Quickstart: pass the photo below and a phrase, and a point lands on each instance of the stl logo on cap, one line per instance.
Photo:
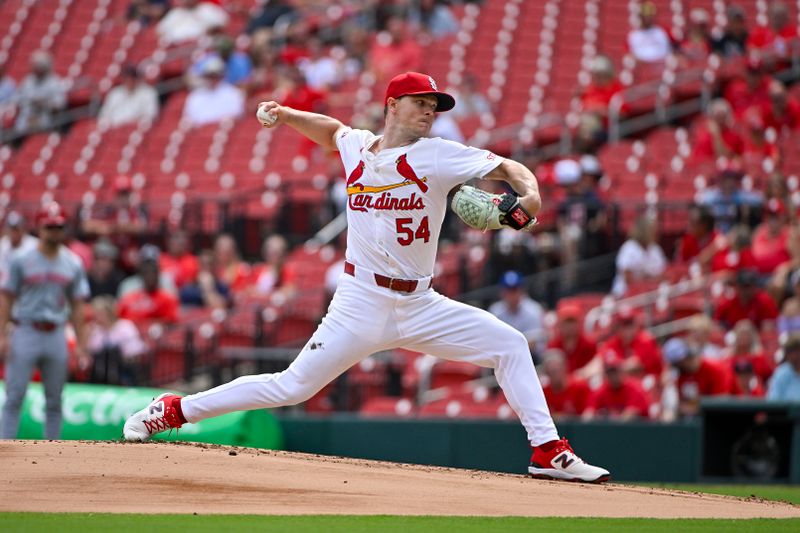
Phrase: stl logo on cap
(433, 83)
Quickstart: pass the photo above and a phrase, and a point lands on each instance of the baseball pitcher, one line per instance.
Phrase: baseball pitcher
(397, 189)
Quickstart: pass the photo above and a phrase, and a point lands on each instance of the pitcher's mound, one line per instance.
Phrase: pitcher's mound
(71, 476)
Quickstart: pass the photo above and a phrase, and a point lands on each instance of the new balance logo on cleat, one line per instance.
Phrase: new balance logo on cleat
(559, 462)
(565, 460)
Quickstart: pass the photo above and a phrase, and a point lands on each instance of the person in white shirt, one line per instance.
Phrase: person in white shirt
(190, 20)
(115, 344)
(40, 95)
(640, 257)
(15, 239)
(521, 312)
(397, 186)
(649, 43)
(130, 101)
(216, 100)
(320, 69)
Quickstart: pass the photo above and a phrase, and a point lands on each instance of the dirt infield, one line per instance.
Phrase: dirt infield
(74, 476)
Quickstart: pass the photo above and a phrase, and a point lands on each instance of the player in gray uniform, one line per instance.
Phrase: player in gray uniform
(43, 289)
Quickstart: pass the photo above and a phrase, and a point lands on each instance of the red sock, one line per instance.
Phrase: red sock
(547, 446)
(176, 404)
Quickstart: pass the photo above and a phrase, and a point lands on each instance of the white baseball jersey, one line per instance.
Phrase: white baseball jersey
(396, 199)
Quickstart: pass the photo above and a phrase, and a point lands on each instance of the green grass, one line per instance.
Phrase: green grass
(89, 523)
(784, 493)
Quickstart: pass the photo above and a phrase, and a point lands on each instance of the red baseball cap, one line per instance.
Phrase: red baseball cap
(568, 311)
(416, 83)
(51, 214)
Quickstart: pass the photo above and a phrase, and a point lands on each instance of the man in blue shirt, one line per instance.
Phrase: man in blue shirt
(785, 383)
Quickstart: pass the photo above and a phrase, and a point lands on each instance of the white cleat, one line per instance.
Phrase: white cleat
(561, 463)
(158, 416)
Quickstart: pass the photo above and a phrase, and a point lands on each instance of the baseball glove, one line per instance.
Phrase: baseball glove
(482, 210)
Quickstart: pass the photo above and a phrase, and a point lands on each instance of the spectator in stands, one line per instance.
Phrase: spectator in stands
(774, 41)
(130, 101)
(8, 97)
(146, 11)
(730, 253)
(785, 383)
(729, 202)
(267, 15)
(770, 239)
(272, 275)
(637, 348)
(700, 235)
(566, 395)
(115, 345)
(148, 253)
(780, 112)
(640, 258)
(698, 337)
(578, 347)
(470, 102)
(697, 377)
(178, 261)
(620, 397)
(759, 143)
(745, 382)
(746, 347)
(394, 50)
(733, 41)
(446, 127)
(151, 301)
(717, 137)
(650, 43)
(207, 290)
(216, 100)
(697, 43)
(104, 276)
(15, 239)
(747, 301)
(230, 269)
(521, 312)
(596, 97)
(789, 318)
(432, 17)
(189, 20)
(238, 66)
(321, 71)
(750, 89)
(40, 95)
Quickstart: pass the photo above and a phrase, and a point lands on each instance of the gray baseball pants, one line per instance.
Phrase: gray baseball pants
(31, 348)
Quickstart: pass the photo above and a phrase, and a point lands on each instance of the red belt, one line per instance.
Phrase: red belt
(395, 284)
(42, 326)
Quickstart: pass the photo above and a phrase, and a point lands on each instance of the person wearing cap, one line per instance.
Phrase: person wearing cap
(15, 239)
(581, 214)
(131, 101)
(649, 43)
(785, 383)
(520, 311)
(745, 382)
(567, 396)
(733, 41)
(44, 289)
(696, 376)
(578, 347)
(747, 300)
(640, 258)
(104, 276)
(748, 89)
(619, 397)
(40, 95)
(151, 302)
(147, 253)
(397, 186)
(632, 343)
(770, 239)
(215, 99)
(729, 202)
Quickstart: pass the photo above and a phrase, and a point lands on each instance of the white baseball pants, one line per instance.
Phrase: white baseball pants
(364, 319)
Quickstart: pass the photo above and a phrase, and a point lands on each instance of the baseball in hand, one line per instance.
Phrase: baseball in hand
(266, 118)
